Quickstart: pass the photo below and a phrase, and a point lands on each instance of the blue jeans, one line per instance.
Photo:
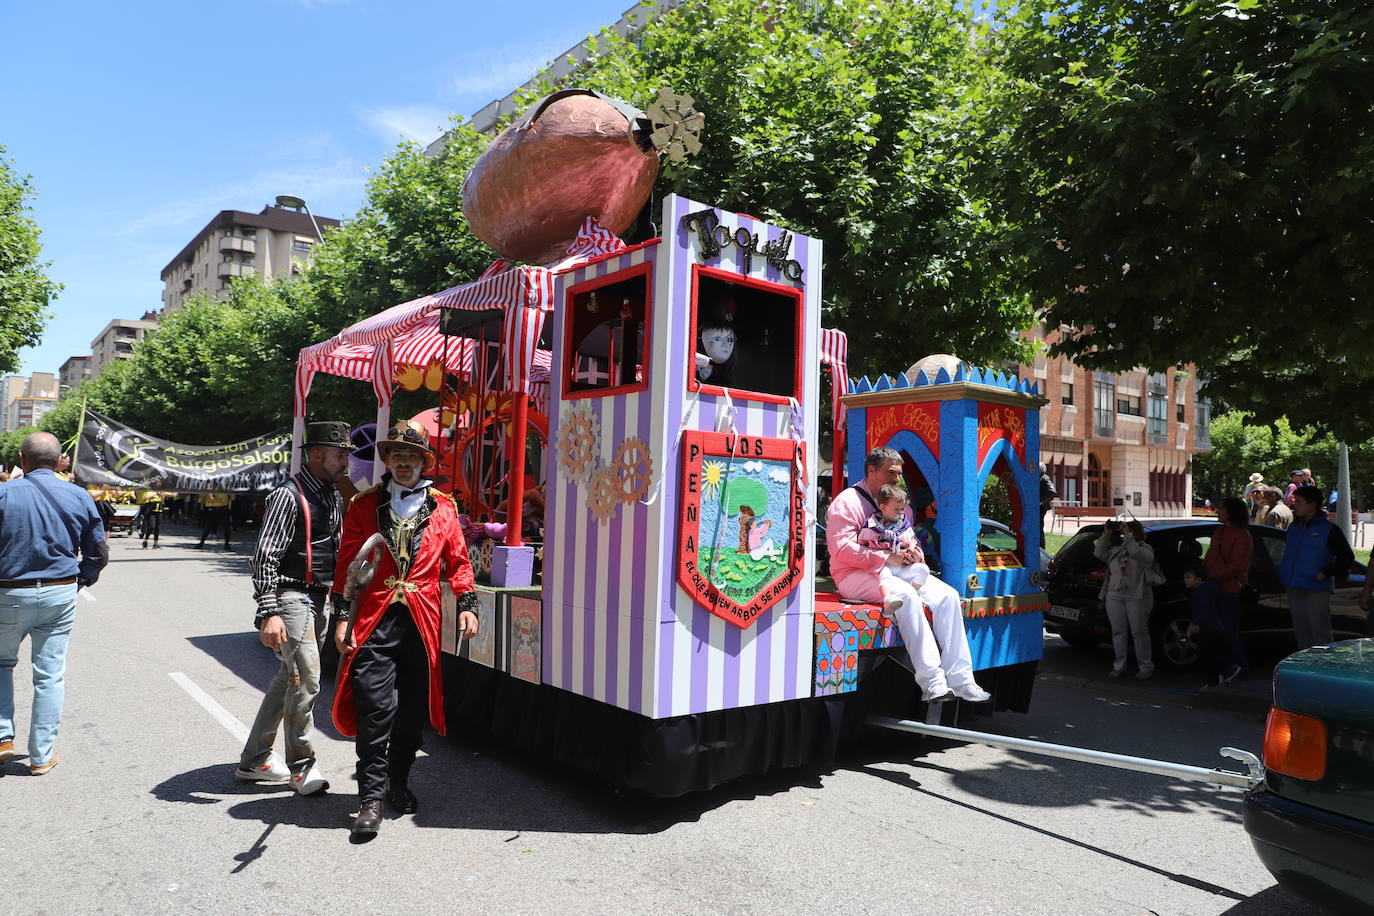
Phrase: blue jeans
(45, 615)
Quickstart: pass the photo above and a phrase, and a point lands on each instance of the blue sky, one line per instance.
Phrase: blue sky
(139, 121)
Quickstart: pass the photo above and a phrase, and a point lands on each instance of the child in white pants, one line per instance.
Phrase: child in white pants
(890, 529)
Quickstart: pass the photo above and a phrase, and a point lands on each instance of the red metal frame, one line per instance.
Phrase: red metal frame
(569, 367)
(730, 276)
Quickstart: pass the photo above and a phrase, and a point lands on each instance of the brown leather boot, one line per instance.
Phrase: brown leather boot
(369, 820)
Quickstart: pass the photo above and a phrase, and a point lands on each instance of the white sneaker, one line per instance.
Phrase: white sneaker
(972, 692)
(273, 772)
(938, 692)
(307, 779)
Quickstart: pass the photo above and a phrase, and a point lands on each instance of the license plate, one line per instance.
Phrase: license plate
(1067, 613)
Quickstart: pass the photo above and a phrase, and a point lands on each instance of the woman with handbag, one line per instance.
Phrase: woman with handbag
(1128, 593)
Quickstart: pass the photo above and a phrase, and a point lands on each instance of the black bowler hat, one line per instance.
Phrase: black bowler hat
(333, 433)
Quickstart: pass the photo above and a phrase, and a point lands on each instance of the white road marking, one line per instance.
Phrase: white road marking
(222, 715)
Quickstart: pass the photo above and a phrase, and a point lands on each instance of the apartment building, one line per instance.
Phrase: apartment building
(74, 371)
(27, 399)
(274, 243)
(119, 338)
(1121, 441)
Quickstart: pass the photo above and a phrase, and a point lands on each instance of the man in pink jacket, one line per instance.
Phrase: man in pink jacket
(939, 654)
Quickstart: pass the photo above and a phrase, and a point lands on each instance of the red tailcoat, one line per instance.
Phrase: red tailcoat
(442, 552)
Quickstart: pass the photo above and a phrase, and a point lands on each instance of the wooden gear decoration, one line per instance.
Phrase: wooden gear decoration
(579, 441)
(634, 469)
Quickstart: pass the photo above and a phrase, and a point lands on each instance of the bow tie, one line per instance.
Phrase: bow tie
(406, 493)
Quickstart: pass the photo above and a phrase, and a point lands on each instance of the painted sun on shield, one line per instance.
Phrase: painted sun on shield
(743, 525)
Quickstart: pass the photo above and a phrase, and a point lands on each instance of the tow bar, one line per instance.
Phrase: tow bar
(1229, 778)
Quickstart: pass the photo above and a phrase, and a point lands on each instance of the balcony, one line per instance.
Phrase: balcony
(230, 269)
(233, 243)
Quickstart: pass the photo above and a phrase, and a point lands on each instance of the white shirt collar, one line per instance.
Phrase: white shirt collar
(406, 506)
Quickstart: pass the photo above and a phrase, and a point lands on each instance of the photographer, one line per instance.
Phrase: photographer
(1127, 593)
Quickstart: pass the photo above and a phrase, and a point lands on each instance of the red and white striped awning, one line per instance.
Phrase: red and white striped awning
(835, 354)
(408, 334)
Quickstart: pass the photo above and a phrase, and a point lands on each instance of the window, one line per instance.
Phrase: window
(746, 336)
(1159, 420)
(1104, 417)
(1066, 393)
(1178, 414)
(1129, 404)
(1202, 437)
(606, 334)
(304, 245)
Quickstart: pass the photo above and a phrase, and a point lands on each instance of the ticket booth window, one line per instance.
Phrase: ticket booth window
(746, 336)
(608, 324)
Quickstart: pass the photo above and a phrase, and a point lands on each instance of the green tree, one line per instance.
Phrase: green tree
(1188, 181)
(853, 122)
(25, 288)
(1241, 446)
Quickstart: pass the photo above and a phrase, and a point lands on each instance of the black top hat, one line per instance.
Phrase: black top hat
(327, 432)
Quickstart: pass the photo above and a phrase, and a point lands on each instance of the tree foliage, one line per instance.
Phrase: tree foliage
(1188, 181)
(853, 122)
(25, 288)
(1241, 447)
(849, 122)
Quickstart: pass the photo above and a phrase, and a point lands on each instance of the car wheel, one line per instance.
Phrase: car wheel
(1172, 644)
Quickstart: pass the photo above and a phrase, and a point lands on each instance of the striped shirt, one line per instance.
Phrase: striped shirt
(279, 527)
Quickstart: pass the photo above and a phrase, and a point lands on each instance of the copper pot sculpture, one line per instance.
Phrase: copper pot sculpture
(575, 154)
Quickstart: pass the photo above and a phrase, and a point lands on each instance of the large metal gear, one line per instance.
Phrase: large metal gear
(603, 498)
(634, 468)
(485, 550)
(579, 440)
(676, 123)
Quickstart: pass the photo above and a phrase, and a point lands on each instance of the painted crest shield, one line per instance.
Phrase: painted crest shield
(743, 528)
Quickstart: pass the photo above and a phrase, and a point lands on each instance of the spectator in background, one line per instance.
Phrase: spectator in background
(1207, 626)
(1048, 494)
(1256, 482)
(1228, 565)
(1258, 510)
(1315, 555)
(1127, 593)
(1277, 514)
(1295, 480)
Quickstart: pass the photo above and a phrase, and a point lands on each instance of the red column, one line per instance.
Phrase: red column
(515, 442)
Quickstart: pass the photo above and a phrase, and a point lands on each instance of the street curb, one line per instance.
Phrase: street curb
(1246, 699)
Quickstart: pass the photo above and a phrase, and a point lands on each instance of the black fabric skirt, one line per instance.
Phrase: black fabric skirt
(670, 757)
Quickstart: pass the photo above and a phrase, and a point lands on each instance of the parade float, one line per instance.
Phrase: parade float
(632, 431)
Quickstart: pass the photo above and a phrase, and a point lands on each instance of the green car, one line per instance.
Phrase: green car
(1312, 821)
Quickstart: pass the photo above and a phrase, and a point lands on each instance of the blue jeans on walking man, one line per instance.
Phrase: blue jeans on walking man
(44, 616)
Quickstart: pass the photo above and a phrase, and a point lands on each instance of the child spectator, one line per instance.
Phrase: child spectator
(890, 529)
(1207, 627)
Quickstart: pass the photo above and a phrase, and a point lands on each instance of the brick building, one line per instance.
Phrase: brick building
(1120, 441)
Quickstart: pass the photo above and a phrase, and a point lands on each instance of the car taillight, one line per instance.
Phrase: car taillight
(1051, 568)
(1295, 745)
(1098, 575)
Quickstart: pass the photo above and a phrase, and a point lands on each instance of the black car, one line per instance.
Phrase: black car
(1078, 615)
(1312, 820)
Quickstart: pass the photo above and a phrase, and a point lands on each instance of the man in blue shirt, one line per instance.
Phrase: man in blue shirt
(45, 523)
(1315, 556)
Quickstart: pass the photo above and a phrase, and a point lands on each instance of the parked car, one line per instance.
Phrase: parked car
(1079, 617)
(1312, 820)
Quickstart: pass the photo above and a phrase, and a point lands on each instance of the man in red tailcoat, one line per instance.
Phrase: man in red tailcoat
(393, 641)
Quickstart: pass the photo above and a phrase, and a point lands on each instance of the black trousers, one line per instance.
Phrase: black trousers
(216, 518)
(391, 701)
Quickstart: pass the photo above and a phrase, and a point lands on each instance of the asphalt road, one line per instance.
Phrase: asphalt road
(143, 814)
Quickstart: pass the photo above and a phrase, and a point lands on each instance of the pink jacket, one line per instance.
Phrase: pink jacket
(854, 567)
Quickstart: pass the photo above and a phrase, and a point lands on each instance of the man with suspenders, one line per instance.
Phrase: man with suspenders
(293, 569)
